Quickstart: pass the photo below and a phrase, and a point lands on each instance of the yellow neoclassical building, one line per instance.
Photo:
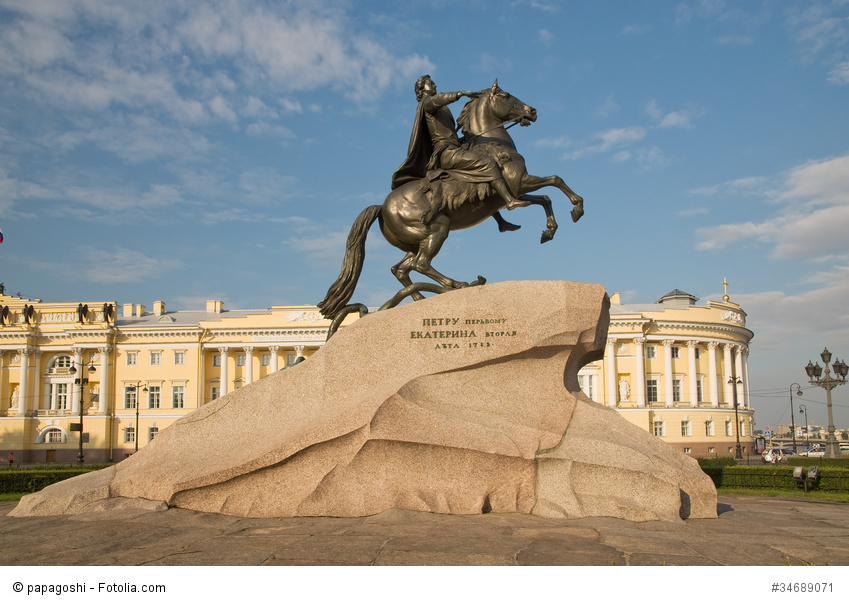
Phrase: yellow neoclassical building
(676, 369)
(132, 371)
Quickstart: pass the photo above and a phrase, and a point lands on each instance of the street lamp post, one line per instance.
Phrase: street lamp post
(793, 420)
(803, 408)
(828, 383)
(82, 381)
(136, 392)
(734, 382)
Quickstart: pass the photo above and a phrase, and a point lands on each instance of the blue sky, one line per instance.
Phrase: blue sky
(185, 151)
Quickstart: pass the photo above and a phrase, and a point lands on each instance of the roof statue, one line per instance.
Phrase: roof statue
(447, 183)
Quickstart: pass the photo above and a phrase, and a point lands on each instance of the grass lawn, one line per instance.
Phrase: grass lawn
(11, 496)
(814, 495)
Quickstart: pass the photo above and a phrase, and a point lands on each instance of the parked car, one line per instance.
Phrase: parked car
(844, 446)
(815, 451)
(776, 455)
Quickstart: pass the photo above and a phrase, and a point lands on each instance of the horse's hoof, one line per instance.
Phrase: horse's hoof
(546, 236)
(577, 212)
(479, 282)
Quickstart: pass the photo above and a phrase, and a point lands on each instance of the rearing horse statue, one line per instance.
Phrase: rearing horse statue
(418, 216)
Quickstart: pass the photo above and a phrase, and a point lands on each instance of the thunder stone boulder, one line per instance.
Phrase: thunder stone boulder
(466, 402)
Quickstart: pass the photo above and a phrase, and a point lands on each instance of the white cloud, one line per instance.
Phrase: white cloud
(122, 265)
(682, 118)
(840, 74)
(810, 225)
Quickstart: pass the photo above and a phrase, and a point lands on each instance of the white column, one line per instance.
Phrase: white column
(692, 379)
(610, 362)
(36, 380)
(274, 349)
(738, 373)
(299, 351)
(640, 359)
(667, 372)
(103, 405)
(746, 376)
(23, 391)
(714, 387)
(728, 370)
(223, 351)
(2, 361)
(249, 365)
(75, 386)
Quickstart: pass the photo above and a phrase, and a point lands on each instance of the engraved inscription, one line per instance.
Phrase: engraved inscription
(459, 333)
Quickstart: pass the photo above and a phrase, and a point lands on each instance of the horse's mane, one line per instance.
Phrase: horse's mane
(465, 113)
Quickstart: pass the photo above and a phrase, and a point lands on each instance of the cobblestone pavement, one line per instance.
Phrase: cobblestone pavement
(748, 531)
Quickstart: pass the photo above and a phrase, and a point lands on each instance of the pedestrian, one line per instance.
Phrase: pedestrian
(11, 459)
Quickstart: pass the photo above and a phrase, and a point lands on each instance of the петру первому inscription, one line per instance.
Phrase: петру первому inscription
(456, 333)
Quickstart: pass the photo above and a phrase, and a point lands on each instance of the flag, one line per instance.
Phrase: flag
(1, 236)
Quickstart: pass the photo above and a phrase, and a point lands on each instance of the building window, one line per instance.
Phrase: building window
(676, 390)
(698, 353)
(710, 449)
(62, 362)
(130, 397)
(742, 428)
(651, 390)
(290, 359)
(179, 358)
(687, 450)
(700, 394)
(129, 435)
(214, 392)
(152, 433)
(153, 397)
(216, 361)
(659, 429)
(178, 393)
(676, 352)
(651, 352)
(53, 436)
(587, 384)
(155, 357)
(729, 428)
(265, 360)
(59, 396)
(709, 429)
(240, 359)
(686, 429)
(132, 358)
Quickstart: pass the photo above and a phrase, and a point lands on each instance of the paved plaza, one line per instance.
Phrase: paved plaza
(748, 531)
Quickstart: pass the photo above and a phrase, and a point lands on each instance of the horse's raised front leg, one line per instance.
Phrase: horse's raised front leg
(550, 221)
(533, 183)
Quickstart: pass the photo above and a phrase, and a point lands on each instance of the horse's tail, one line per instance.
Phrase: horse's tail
(342, 289)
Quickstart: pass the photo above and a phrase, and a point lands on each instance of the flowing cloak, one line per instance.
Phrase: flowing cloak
(419, 152)
(423, 160)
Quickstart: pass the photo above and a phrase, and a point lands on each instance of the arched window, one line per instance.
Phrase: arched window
(53, 436)
(60, 362)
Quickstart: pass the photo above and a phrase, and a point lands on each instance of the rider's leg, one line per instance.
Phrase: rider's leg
(500, 187)
(503, 224)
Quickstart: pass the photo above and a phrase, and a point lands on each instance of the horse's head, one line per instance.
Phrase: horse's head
(508, 108)
(493, 107)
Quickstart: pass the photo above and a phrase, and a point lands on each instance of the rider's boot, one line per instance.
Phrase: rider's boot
(500, 187)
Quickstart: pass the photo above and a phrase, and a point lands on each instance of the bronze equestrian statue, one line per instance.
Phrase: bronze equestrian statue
(446, 185)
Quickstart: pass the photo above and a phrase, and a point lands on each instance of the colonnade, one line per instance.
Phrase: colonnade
(734, 365)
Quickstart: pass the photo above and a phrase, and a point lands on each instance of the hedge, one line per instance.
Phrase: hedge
(33, 479)
(776, 476)
(819, 462)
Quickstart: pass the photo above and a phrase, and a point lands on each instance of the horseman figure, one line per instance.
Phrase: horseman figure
(445, 186)
(435, 148)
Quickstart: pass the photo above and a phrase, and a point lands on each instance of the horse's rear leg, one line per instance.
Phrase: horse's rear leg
(429, 247)
(402, 272)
